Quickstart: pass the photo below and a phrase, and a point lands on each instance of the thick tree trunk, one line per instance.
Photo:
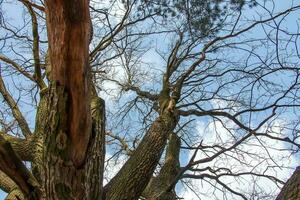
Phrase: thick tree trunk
(73, 153)
(68, 145)
(68, 27)
(132, 179)
(159, 186)
(291, 190)
(62, 178)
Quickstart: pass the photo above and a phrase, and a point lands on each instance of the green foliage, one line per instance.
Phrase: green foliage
(200, 17)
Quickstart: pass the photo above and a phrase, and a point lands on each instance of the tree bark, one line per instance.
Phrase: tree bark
(159, 186)
(291, 190)
(13, 167)
(73, 151)
(96, 153)
(22, 147)
(131, 180)
(68, 28)
(69, 138)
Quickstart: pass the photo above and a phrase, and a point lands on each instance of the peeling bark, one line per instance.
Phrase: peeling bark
(68, 27)
(70, 160)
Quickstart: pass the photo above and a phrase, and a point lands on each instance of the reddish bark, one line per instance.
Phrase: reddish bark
(68, 24)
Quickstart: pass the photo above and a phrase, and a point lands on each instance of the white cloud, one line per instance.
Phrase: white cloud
(112, 166)
(250, 157)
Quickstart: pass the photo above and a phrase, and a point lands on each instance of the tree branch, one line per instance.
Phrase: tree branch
(14, 168)
(17, 67)
(96, 151)
(41, 8)
(161, 186)
(133, 177)
(108, 39)
(35, 49)
(9, 186)
(6, 183)
(141, 93)
(24, 148)
(15, 109)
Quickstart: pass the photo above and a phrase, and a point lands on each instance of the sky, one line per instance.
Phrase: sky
(15, 12)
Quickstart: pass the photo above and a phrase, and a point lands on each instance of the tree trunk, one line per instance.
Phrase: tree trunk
(68, 145)
(291, 190)
(159, 186)
(132, 179)
(68, 28)
(73, 153)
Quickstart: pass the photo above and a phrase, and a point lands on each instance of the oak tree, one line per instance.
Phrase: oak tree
(211, 91)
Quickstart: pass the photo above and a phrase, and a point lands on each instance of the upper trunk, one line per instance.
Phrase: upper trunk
(68, 26)
(161, 186)
(73, 156)
(134, 176)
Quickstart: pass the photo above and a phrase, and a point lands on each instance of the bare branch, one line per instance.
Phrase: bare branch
(15, 109)
(35, 49)
(17, 67)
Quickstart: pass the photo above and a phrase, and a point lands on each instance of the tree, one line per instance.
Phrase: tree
(241, 98)
(291, 188)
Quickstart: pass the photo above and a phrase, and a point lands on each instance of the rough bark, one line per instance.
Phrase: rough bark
(67, 180)
(96, 152)
(134, 176)
(62, 177)
(159, 186)
(13, 167)
(22, 147)
(291, 190)
(15, 194)
(68, 28)
(42, 116)
(7, 184)
(73, 156)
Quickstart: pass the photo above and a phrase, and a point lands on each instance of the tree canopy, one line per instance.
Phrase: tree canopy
(147, 99)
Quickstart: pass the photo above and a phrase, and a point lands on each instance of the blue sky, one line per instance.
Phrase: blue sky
(15, 12)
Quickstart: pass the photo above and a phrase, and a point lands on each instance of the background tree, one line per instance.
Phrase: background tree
(191, 79)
